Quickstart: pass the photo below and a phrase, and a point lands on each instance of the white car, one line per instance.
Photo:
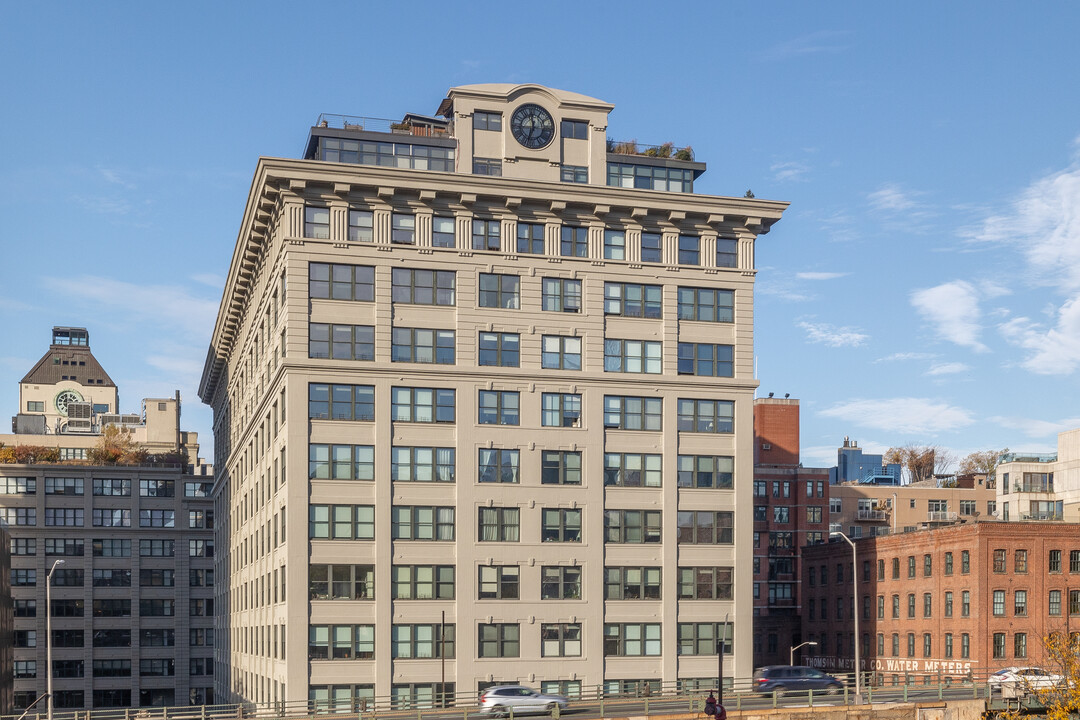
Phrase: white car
(498, 701)
(1014, 682)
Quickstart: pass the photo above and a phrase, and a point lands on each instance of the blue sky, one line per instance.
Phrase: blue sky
(924, 285)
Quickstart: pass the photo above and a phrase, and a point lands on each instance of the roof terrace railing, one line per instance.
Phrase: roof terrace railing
(633, 147)
(381, 125)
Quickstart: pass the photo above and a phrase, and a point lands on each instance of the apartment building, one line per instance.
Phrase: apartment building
(129, 547)
(1039, 487)
(493, 372)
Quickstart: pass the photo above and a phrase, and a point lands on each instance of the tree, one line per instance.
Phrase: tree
(917, 460)
(1061, 656)
(116, 447)
(29, 454)
(982, 462)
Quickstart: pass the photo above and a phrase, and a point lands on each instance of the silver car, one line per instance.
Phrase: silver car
(499, 700)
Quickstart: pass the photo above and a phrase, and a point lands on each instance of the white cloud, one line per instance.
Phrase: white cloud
(951, 368)
(815, 43)
(210, 279)
(792, 170)
(1051, 351)
(890, 198)
(1036, 428)
(104, 205)
(911, 416)
(952, 309)
(820, 275)
(905, 356)
(833, 336)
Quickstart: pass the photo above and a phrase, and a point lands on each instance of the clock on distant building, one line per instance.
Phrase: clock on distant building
(532, 126)
(65, 397)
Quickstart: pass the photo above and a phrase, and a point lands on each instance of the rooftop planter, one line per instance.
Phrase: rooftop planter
(665, 151)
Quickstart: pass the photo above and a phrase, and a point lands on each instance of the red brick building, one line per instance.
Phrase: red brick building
(964, 599)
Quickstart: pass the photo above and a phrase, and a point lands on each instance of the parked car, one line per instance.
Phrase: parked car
(783, 679)
(499, 700)
(1014, 682)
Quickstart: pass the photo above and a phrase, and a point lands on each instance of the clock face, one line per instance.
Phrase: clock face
(63, 398)
(532, 126)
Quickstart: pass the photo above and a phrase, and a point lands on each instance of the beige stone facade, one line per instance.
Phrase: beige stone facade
(861, 510)
(1042, 487)
(490, 359)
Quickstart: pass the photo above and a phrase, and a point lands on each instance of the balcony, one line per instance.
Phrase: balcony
(868, 515)
(665, 151)
(422, 127)
(1034, 486)
(1047, 516)
(941, 516)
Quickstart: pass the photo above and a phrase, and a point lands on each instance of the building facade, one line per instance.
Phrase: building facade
(494, 374)
(130, 547)
(1041, 487)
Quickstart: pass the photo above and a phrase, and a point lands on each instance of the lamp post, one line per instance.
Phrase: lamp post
(811, 643)
(854, 611)
(48, 637)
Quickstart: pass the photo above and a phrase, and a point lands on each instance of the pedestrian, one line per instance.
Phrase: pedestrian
(710, 704)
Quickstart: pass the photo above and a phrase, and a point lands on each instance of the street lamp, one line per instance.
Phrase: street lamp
(811, 643)
(854, 611)
(48, 636)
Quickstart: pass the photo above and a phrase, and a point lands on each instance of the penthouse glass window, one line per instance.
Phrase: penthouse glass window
(423, 287)
(633, 413)
(562, 295)
(706, 583)
(633, 300)
(705, 638)
(403, 229)
(361, 226)
(408, 522)
(706, 416)
(387, 154)
(341, 522)
(560, 410)
(317, 222)
(706, 359)
(443, 232)
(632, 583)
(632, 356)
(498, 640)
(633, 470)
(341, 342)
(561, 525)
(422, 464)
(560, 640)
(574, 241)
(423, 582)
(422, 345)
(341, 462)
(341, 282)
(498, 465)
(632, 639)
(486, 234)
(487, 166)
(614, 244)
(560, 353)
(727, 252)
(530, 238)
(689, 250)
(706, 527)
(423, 641)
(560, 582)
(63, 486)
(422, 405)
(651, 247)
(111, 487)
(498, 582)
(499, 349)
(499, 407)
(500, 291)
(707, 471)
(498, 524)
(559, 467)
(648, 177)
(632, 526)
(341, 402)
(575, 174)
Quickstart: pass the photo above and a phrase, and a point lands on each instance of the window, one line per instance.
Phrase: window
(200, 548)
(422, 405)
(880, 607)
(63, 486)
(317, 222)
(632, 356)
(112, 638)
(200, 577)
(35, 406)
(911, 605)
(633, 300)
(574, 241)
(836, 507)
(561, 525)
(1074, 561)
(530, 238)
(1020, 645)
(341, 402)
(487, 121)
(423, 287)
(499, 407)
(443, 233)
(486, 234)
(111, 486)
(64, 546)
(112, 548)
(361, 226)
(813, 514)
(157, 607)
(633, 413)
(341, 522)
(706, 416)
(341, 462)
(781, 514)
(560, 353)
(201, 519)
(112, 608)
(1020, 561)
(559, 467)
(704, 638)
(614, 245)
(25, 639)
(560, 640)
(948, 563)
(896, 606)
(341, 282)
(342, 582)
(423, 582)
(487, 166)
(408, 522)
(727, 252)
(562, 295)
(1054, 561)
(1020, 603)
(25, 608)
(574, 129)
(632, 583)
(651, 247)
(928, 565)
(649, 177)
(689, 250)
(560, 410)
(927, 605)
(575, 174)
(200, 489)
(761, 488)
(422, 345)
(498, 465)
(157, 518)
(999, 561)
(948, 604)
(422, 641)
(341, 342)
(705, 471)
(965, 562)
(560, 583)
(1054, 603)
(967, 507)
(66, 517)
(999, 603)
(911, 566)
(25, 669)
(499, 582)
(965, 603)
(911, 645)
(341, 642)
(23, 577)
(706, 583)
(500, 291)
(157, 488)
(632, 526)
(499, 524)
(632, 469)
(707, 360)
(927, 646)
(706, 527)
(500, 349)
(632, 639)
(498, 640)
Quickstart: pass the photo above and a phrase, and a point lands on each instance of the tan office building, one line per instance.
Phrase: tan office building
(490, 366)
